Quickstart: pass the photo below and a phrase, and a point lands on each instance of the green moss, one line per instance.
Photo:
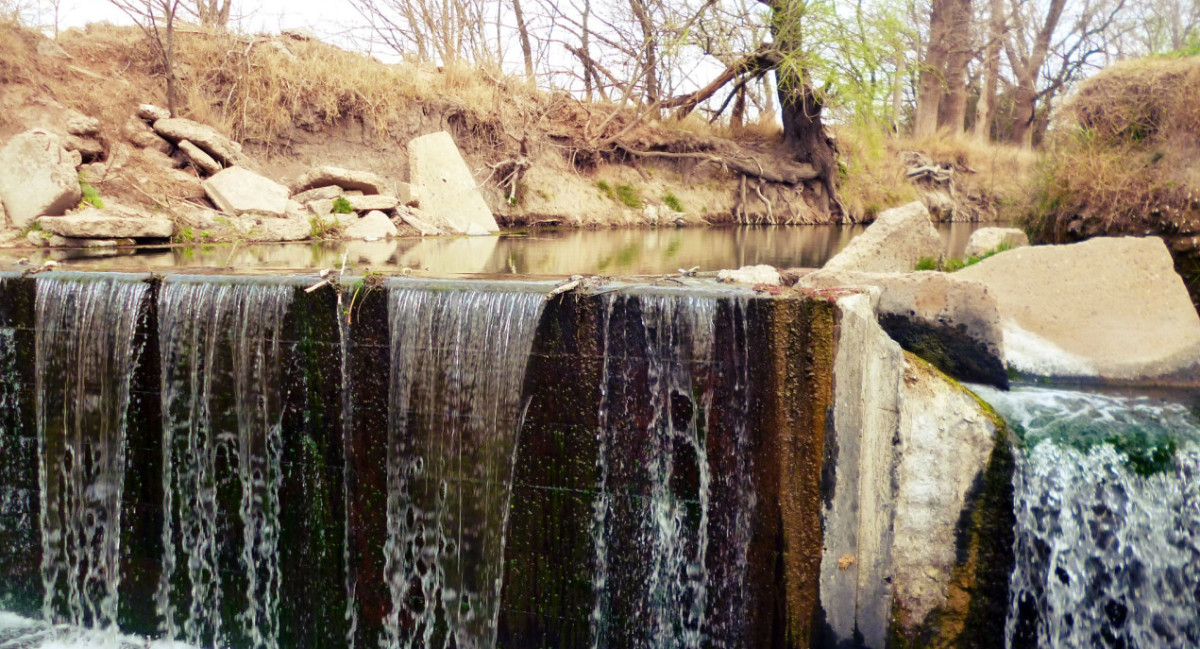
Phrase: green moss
(927, 263)
(90, 195)
(341, 205)
(629, 195)
(672, 201)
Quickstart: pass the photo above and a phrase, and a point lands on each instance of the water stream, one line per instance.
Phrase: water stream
(1108, 520)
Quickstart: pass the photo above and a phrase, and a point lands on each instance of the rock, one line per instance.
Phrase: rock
(943, 318)
(83, 126)
(327, 193)
(953, 523)
(372, 226)
(89, 149)
(917, 522)
(291, 228)
(320, 207)
(57, 241)
(407, 195)
(37, 177)
(447, 188)
(894, 243)
(106, 224)
(372, 203)
(221, 148)
(416, 219)
(347, 179)
(36, 239)
(152, 113)
(985, 240)
(199, 159)
(238, 190)
(761, 274)
(144, 137)
(75, 158)
(1109, 308)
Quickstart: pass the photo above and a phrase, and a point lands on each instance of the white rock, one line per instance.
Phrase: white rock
(238, 190)
(1109, 307)
(760, 274)
(347, 179)
(152, 113)
(199, 159)
(372, 226)
(380, 202)
(894, 243)
(985, 240)
(88, 148)
(407, 195)
(327, 193)
(74, 242)
(416, 219)
(83, 125)
(290, 228)
(106, 224)
(221, 148)
(142, 136)
(37, 177)
(448, 190)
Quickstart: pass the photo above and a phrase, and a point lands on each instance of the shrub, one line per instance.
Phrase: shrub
(672, 201)
(341, 205)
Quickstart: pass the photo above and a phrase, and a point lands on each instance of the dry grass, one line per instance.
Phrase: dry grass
(994, 176)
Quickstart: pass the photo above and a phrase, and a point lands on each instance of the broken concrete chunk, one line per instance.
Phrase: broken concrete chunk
(407, 195)
(73, 242)
(152, 113)
(83, 126)
(105, 224)
(89, 149)
(327, 193)
(203, 162)
(221, 148)
(894, 243)
(447, 188)
(985, 240)
(238, 191)
(760, 274)
(373, 202)
(347, 179)
(37, 177)
(372, 226)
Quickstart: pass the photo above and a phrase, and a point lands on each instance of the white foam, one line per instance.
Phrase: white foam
(1030, 353)
(18, 632)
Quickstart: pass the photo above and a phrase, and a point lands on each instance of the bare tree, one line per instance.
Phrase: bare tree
(157, 19)
(986, 107)
(941, 98)
(213, 14)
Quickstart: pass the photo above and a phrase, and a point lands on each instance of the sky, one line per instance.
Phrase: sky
(320, 16)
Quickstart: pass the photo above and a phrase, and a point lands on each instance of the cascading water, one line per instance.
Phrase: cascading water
(85, 357)
(653, 513)
(457, 364)
(221, 352)
(1107, 503)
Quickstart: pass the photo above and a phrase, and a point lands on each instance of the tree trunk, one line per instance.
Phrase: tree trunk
(1024, 109)
(649, 51)
(523, 32)
(933, 70)
(953, 109)
(986, 108)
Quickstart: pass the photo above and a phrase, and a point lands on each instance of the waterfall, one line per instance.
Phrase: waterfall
(85, 353)
(1107, 503)
(457, 364)
(221, 351)
(653, 514)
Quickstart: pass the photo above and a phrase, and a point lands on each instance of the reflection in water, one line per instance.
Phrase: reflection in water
(542, 252)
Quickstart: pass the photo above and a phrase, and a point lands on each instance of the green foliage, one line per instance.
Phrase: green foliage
(927, 263)
(629, 195)
(606, 189)
(672, 201)
(951, 264)
(91, 195)
(185, 235)
(342, 206)
(322, 229)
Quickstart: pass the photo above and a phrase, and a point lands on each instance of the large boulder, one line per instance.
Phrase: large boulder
(943, 318)
(985, 240)
(760, 274)
(373, 202)
(203, 162)
(347, 179)
(221, 148)
(37, 177)
(372, 226)
(238, 191)
(917, 500)
(106, 224)
(1109, 308)
(897, 240)
(447, 189)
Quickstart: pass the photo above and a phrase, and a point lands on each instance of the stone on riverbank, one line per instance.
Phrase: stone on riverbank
(985, 240)
(221, 148)
(347, 179)
(1108, 308)
(894, 243)
(760, 274)
(106, 224)
(203, 162)
(374, 225)
(238, 191)
(447, 189)
(37, 177)
(945, 319)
